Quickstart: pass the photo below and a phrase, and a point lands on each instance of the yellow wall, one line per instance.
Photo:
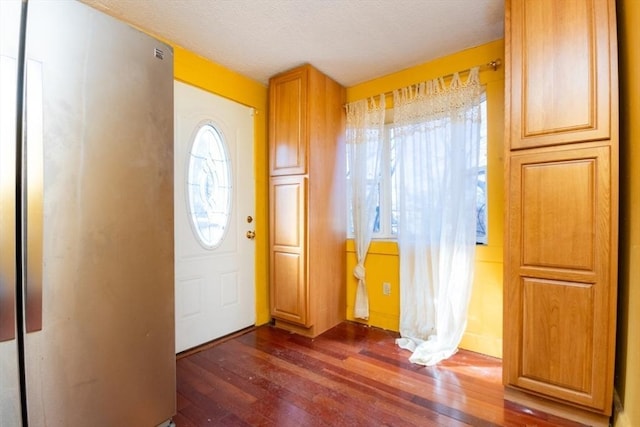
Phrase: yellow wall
(484, 328)
(197, 71)
(628, 349)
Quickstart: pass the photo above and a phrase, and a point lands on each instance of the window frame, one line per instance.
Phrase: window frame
(386, 192)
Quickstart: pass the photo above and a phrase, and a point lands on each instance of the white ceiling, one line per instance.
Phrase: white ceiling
(350, 40)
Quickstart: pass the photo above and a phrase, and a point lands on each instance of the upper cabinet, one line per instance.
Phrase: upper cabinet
(288, 125)
(560, 64)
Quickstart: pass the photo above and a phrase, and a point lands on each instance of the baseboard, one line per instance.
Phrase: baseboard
(213, 343)
(377, 319)
(620, 418)
(483, 344)
(558, 409)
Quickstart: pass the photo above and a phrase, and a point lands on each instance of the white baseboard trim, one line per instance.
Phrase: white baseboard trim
(620, 418)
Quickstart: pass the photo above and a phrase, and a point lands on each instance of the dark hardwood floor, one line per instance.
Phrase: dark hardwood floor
(350, 376)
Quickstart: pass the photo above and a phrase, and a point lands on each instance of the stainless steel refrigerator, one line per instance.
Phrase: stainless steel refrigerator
(86, 217)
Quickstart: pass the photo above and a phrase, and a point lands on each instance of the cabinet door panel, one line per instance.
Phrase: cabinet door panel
(289, 290)
(288, 300)
(559, 71)
(553, 352)
(288, 125)
(288, 213)
(559, 295)
(558, 213)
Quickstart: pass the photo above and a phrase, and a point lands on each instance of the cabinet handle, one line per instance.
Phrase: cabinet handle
(8, 68)
(33, 194)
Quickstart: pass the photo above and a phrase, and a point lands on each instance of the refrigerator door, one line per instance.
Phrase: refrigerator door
(100, 107)
(10, 408)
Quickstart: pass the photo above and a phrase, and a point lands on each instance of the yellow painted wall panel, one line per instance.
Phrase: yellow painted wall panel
(381, 266)
(439, 67)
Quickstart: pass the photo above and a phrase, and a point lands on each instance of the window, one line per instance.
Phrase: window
(481, 202)
(386, 222)
(209, 186)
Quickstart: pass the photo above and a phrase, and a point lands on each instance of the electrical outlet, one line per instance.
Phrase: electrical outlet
(386, 288)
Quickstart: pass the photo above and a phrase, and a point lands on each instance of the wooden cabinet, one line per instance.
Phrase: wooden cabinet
(561, 56)
(562, 205)
(288, 122)
(307, 201)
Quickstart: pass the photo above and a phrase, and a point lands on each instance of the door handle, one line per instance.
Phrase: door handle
(8, 144)
(34, 195)
(251, 234)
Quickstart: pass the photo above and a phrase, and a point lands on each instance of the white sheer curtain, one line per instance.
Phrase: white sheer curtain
(365, 127)
(437, 132)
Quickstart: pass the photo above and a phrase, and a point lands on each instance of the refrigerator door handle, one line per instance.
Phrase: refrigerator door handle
(33, 194)
(8, 142)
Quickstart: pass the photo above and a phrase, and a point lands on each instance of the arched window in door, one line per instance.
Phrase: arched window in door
(209, 185)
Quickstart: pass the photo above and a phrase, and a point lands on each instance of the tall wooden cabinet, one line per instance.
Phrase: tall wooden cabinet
(307, 201)
(562, 204)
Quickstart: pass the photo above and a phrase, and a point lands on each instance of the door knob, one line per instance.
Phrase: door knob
(251, 234)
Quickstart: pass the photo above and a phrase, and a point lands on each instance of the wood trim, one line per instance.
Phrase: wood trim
(558, 409)
(214, 343)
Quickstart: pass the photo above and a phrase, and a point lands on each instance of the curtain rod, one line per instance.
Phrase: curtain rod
(493, 65)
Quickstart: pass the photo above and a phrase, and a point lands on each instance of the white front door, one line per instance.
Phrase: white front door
(214, 209)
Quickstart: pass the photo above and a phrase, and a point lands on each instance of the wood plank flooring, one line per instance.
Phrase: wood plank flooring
(352, 375)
